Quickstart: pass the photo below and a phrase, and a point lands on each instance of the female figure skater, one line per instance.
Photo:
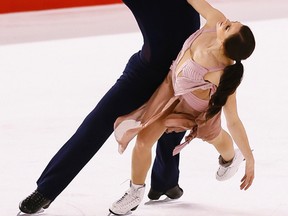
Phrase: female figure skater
(203, 79)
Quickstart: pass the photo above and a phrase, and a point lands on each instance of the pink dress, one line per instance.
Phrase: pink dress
(175, 102)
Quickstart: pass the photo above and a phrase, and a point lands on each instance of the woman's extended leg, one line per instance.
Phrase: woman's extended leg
(224, 145)
(141, 161)
(141, 156)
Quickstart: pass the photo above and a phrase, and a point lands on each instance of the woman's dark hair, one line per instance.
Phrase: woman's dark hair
(237, 47)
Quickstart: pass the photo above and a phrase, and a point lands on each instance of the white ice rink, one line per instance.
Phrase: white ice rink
(55, 66)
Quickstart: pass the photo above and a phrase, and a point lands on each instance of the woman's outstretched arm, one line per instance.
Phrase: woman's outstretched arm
(238, 133)
(208, 12)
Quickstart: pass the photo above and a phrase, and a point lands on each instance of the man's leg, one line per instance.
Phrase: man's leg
(129, 92)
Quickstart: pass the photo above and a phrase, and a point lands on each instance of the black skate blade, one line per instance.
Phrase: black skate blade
(113, 213)
(160, 201)
(25, 214)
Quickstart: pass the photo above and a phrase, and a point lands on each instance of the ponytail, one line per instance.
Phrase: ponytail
(238, 46)
(229, 81)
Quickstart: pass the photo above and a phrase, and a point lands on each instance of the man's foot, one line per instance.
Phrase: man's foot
(34, 203)
(228, 169)
(129, 201)
(173, 193)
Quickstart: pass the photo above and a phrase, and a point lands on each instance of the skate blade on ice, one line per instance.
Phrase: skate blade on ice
(128, 213)
(156, 202)
(25, 214)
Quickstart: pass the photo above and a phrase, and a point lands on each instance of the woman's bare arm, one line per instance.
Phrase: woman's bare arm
(238, 133)
(208, 12)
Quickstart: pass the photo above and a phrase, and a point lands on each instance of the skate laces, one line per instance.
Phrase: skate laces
(225, 166)
(222, 170)
(35, 199)
(126, 193)
(130, 193)
(122, 198)
(229, 169)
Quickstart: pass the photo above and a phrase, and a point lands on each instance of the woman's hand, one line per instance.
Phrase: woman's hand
(248, 178)
(208, 12)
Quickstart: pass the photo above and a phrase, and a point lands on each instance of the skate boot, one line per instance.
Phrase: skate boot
(173, 193)
(129, 201)
(34, 203)
(229, 169)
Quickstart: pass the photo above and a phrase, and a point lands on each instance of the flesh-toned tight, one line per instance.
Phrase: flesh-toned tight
(141, 155)
(224, 145)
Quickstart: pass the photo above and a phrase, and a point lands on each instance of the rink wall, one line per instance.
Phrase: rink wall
(10, 6)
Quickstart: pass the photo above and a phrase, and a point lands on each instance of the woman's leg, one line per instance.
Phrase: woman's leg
(141, 156)
(224, 145)
(141, 161)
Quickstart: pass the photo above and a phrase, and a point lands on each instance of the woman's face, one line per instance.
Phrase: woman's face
(226, 29)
